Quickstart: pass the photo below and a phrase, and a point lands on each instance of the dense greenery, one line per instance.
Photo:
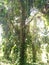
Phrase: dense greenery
(22, 35)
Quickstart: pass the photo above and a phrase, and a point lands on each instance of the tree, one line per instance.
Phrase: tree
(16, 39)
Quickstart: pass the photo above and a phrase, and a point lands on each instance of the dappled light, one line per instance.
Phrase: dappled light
(44, 57)
(24, 32)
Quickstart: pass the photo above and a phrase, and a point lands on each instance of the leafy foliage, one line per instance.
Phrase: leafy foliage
(20, 44)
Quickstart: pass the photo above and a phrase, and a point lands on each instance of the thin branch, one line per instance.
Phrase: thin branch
(31, 19)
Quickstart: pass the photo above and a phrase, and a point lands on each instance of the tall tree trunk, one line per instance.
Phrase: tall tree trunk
(23, 44)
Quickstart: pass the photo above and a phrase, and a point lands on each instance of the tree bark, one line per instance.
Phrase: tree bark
(22, 34)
